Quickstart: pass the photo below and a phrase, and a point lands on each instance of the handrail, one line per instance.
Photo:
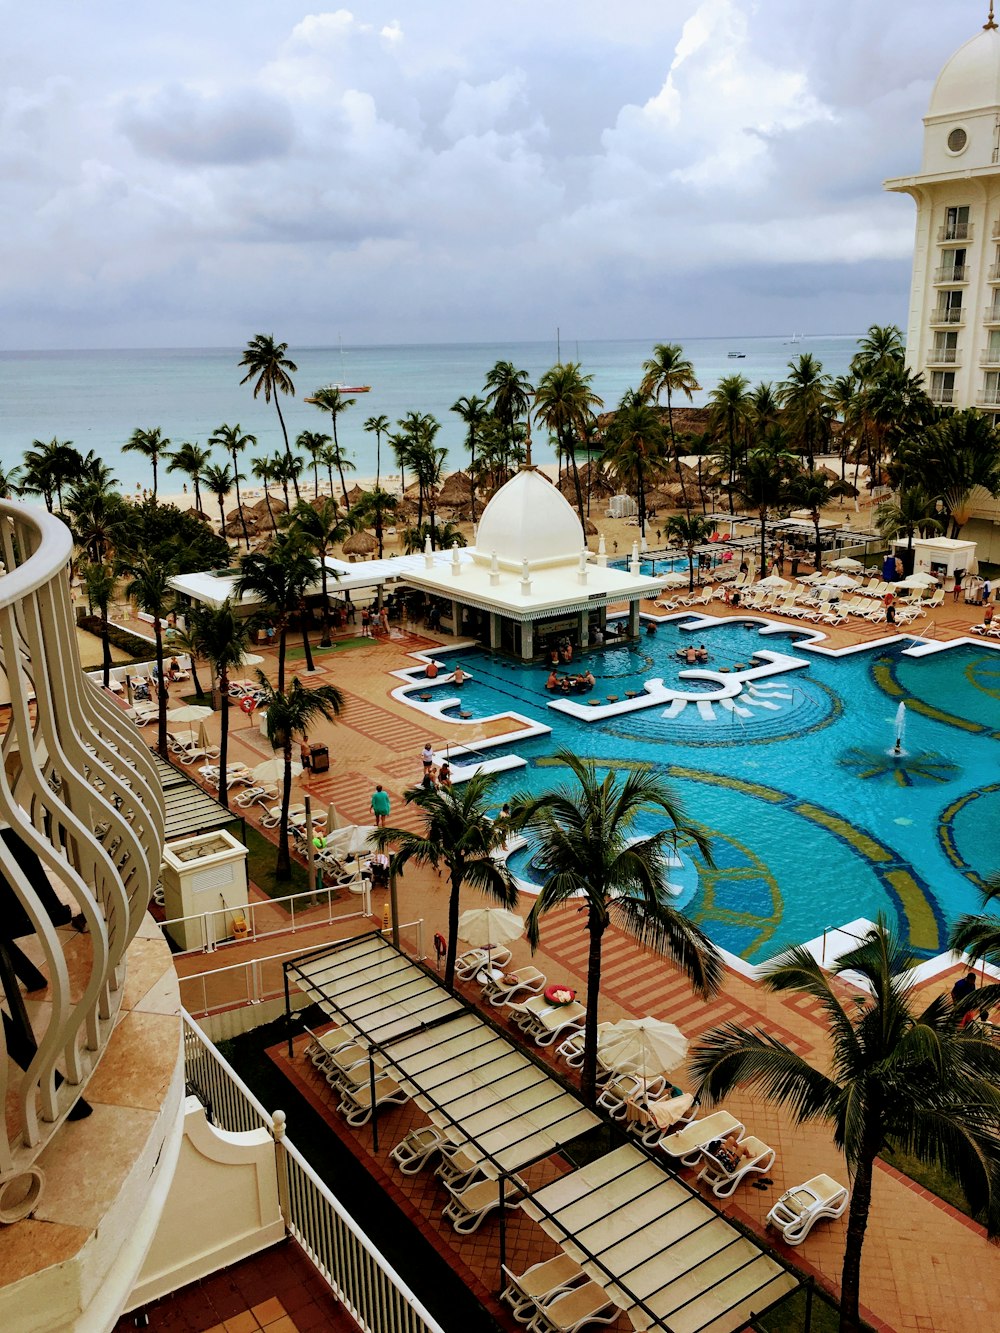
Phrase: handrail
(52, 553)
(378, 1299)
(210, 940)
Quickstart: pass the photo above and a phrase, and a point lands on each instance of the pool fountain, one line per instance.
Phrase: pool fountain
(899, 728)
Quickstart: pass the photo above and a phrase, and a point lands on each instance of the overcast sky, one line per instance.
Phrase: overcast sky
(188, 174)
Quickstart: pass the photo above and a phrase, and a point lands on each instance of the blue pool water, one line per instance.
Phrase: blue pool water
(813, 822)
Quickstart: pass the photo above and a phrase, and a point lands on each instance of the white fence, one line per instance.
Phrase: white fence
(372, 1291)
(269, 916)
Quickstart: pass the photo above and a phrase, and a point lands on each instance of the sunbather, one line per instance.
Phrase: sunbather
(729, 1152)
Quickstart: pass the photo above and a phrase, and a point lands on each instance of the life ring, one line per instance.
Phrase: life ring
(440, 945)
(248, 703)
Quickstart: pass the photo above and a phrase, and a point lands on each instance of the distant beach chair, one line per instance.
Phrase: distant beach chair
(722, 1179)
(467, 1208)
(800, 1208)
(537, 1285)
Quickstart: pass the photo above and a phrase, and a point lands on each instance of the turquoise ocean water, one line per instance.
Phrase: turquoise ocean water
(97, 398)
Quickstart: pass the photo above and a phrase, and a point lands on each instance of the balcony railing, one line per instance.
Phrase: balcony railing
(952, 315)
(992, 316)
(951, 273)
(361, 1277)
(957, 231)
(988, 398)
(83, 804)
(942, 356)
(942, 395)
(990, 357)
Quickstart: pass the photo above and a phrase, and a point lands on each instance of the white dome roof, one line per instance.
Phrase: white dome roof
(529, 519)
(970, 81)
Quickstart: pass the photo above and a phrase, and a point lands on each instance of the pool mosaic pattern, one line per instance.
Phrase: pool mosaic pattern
(814, 822)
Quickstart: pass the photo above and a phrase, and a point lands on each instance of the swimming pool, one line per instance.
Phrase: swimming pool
(813, 821)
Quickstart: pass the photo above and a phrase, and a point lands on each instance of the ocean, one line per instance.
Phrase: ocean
(98, 398)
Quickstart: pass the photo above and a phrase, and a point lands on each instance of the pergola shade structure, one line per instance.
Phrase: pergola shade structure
(478, 1087)
(657, 1247)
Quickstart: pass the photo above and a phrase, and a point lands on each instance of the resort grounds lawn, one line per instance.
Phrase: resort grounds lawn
(260, 866)
(297, 654)
(930, 1178)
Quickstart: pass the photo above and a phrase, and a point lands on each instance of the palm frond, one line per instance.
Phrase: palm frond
(731, 1056)
(666, 931)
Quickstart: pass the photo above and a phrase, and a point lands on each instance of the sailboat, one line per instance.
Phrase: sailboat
(349, 388)
(793, 340)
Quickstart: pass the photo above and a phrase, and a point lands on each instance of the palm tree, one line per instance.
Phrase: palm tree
(289, 715)
(319, 527)
(151, 444)
(98, 517)
(193, 460)
(459, 833)
(331, 400)
(233, 441)
(100, 582)
(879, 350)
(446, 534)
(186, 641)
(964, 453)
(377, 426)
(48, 467)
(635, 447)
(584, 841)
(508, 392)
(373, 509)
(689, 531)
(427, 462)
(669, 371)
(263, 471)
(219, 481)
(913, 510)
(473, 410)
(564, 404)
(814, 491)
(898, 1078)
(266, 359)
(729, 412)
(314, 444)
(762, 482)
(978, 936)
(805, 397)
(223, 637)
(279, 578)
(148, 587)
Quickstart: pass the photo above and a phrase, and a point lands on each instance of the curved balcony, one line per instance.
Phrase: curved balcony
(82, 822)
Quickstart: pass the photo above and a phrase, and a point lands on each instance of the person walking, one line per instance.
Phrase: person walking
(381, 805)
(383, 616)
(366, 623)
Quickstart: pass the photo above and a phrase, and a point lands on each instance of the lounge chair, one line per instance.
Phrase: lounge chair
(623, 1088)
(537, 1285)
(650, 1120)
(574, 1309)
(722, 1180)
(469, 964)
(500, 990)
(686, 1144)
(801, 1207)
(571, 1048)
(356, 1103)
(467, 1208)
(414, 1152)
(456, 1168)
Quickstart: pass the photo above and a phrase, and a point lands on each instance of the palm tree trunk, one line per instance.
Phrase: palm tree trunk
(288, 450)
(161, 693)
(641, 488)
(324, 640)
(282, 641)
(222, 519)
(857, 1223)
(283, 865)
(270, 511)
(588, 1079)
(340, 466)
(763, 541)
(818, 552)
(239, 502)
(453, 904)
(224, 738)
(378, 529)
(690, 551)
(310, 666)
(472, 474)
(155, 460)
(577, 487)
(673, 450)
(197, 494)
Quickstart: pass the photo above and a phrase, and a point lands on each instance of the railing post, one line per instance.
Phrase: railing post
(420, 941)
(281, 1164)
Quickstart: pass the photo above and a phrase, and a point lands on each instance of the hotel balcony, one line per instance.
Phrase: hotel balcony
(992, 317)
(82, 817)
(988, 398)
(953, 316)
(991, 357)
(943, 356)
(957, 231)
(951, 273)
(994, 274)
(943, 396)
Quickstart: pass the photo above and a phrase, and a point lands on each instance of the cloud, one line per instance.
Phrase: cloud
(187, 126)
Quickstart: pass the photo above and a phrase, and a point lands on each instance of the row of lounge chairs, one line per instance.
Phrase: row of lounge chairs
(343, 1061)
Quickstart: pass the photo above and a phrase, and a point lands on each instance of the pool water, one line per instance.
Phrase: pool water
(814, 822)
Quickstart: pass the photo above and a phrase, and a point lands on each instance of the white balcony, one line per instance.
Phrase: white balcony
(942, 396)
(988, 398)
(953, 316)
(991, 357)
(948, 274)
(956, 231)
(992, 317)
(943, 356)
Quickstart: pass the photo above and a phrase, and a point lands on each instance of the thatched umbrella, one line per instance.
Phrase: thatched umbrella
(456, 489)
(591, 529)
(355, 494)
(360, 543)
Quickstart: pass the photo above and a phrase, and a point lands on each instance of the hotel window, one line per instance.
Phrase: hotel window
(945, 348)
(949, 308)
(991, 356)
(956, 224)
(991, 388)
(953, 265)
(943, 386)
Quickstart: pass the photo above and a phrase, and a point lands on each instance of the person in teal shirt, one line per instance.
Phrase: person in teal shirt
(380, 806)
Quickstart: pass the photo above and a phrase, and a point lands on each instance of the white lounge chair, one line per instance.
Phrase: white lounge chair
(799, 1208)
(469, 964)
(467, 1208)
(414, 1152)
(356, 1103)
(574, 1309)
(529, 982)
(722, 1180)
(537, 1285)
(686, 1144)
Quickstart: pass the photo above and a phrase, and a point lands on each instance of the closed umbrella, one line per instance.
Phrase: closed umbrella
(273, 770)
(647, 1047)
(189, 713)
(251, 659)
(351, 840)
(485, 927)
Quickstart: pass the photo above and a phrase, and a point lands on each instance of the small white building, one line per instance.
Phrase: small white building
(530, 578)
(944, 557)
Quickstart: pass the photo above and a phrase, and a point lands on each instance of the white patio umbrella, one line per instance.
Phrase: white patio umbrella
(773, 581)
(644, 1046)
(273, 770)
(675, 581)
(334, 820)
(250, 659)
(189, 713)
(918, 580)
(350, 840)
(845, 562)
(485, 927)
(842, 581)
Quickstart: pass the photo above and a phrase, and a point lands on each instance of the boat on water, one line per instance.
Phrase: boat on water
(353, 388)
(736, 356)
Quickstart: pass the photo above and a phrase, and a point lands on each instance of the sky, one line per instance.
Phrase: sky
(189, 174)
